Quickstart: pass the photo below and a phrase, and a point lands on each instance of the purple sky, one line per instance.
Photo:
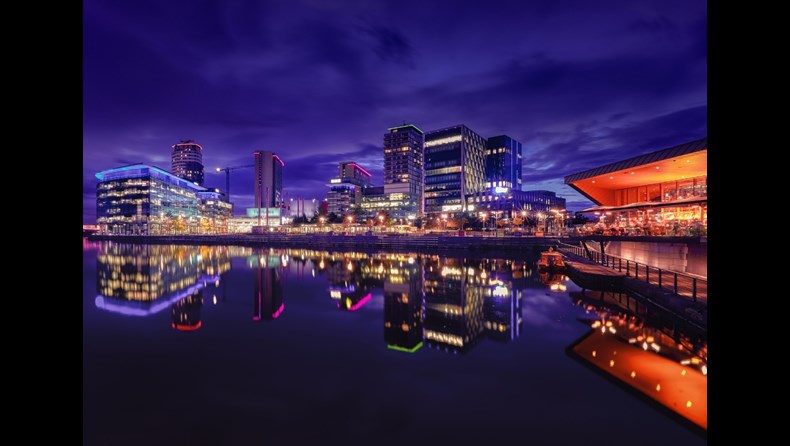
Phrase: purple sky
(579, 83)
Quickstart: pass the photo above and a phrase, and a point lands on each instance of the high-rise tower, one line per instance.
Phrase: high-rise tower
(403, 169)
(268, 179)
(187, 161)
(454, 168)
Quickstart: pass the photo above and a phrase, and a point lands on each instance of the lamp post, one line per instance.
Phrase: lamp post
(523, 220)
(540, 217)
(484, 216)
(444, 222)
(381, 222)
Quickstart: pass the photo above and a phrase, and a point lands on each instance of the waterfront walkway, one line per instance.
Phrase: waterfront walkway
(678, 298)
(395, 242)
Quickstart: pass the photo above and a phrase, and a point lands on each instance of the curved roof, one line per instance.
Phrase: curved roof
(671, 152)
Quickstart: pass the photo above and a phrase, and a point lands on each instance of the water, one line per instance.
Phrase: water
(229, 345)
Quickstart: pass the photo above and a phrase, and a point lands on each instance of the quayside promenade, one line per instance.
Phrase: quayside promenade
(428, 242)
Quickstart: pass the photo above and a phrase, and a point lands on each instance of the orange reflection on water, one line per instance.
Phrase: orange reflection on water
(659, 378)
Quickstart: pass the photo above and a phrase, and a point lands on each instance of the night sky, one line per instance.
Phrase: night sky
(579, 83)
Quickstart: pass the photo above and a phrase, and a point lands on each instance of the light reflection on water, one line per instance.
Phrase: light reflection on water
(409, 303)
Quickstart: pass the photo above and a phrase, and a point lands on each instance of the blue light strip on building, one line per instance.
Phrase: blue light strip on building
(118, 173)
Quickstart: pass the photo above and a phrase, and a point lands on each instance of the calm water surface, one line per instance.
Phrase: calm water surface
(187, 345)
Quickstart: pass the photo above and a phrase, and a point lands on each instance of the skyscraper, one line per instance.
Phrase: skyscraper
(454, 168)
(187, 161)
(268, 179)
(503, 163)
(403, 169)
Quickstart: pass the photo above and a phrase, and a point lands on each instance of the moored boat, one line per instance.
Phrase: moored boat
(551, 261)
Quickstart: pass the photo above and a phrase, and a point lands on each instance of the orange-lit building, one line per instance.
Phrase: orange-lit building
(663, 192)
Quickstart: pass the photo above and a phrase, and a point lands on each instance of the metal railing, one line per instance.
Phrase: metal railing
(682, 284)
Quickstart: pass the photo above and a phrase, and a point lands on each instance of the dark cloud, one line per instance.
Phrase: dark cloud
(391, 45)
(655, 25)
(573, 155)
(578, 83)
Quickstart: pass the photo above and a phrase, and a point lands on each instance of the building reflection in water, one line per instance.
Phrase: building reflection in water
(268, 295)
(186, 312)
(141, 280)
(453, 304)
(444, 303)
(665, 362)
(347, 284)
(404, 300)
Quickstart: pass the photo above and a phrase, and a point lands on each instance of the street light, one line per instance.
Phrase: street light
(523, 220)
(484, 215)
(444, 221)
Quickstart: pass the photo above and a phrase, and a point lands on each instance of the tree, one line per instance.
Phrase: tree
(334, 218)
(475, 223)
(179, 225)
(578, 219)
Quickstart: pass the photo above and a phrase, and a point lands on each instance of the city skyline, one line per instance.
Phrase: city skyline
(578, 85)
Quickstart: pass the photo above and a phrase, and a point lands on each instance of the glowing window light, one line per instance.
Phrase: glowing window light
(438, 142)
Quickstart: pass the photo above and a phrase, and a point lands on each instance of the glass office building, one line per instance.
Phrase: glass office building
(510, 203)
(144, 200)
(454, 168)
(503, 162)
(345, 191)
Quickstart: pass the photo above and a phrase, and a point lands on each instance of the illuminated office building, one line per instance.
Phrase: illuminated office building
(454, 168)
(187, 161)
(503, 163)
(345, 190)
(374, 200)
(510, 203)
(403, 170)
(146, 200)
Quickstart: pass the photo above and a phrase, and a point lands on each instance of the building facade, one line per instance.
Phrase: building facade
(403, 170)
(454, 168)
(268, 179)
(659, 193)
(187, 161)
(503, 163)
(146, 200)
(511, 203)
(345, 190)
